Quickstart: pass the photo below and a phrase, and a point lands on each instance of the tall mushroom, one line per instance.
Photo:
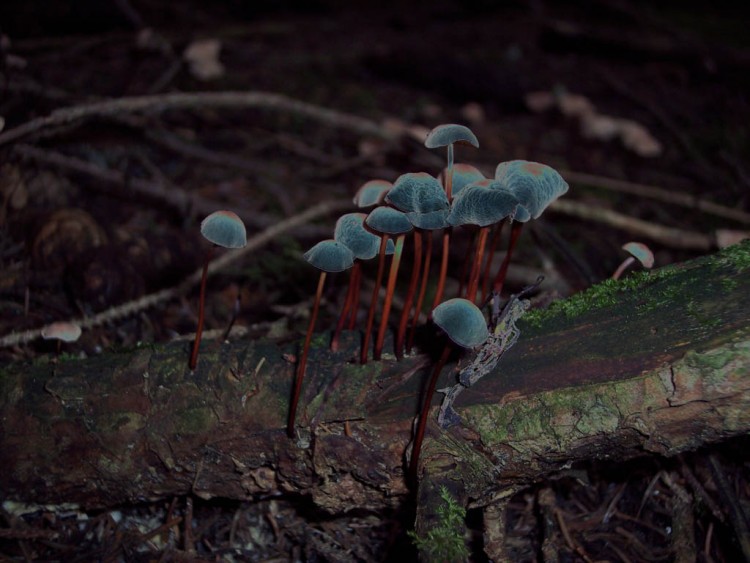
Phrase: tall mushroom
(447, 135)
(327, 256)
(221, 228)
(465, 326)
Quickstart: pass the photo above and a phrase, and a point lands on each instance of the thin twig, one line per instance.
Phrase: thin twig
(668, 236)
(180, 200)
(160, 103)
(682, 199)
(152, 299)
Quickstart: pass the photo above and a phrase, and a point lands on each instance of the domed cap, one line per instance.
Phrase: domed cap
(388, 220)
(350, 231)
(448, 134)
(462, 321)
(535, 185)
(371, 193)
(64, 331)
(640, 252)
(463, 175)
(483, 204)
(224, 228)
(429, 221)
(417, 192)
(330, 256)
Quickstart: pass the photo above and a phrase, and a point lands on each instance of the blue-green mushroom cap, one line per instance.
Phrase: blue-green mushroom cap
(448, 134)
(330, 256)
(463, 175)
(224, 228)
(417, 192)
(429, 221)
(350, 231)
(482, 204)
(462, 321)
(371, 193)
(389, 221)
(535, 185)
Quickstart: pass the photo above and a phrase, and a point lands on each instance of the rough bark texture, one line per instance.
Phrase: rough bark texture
(659, 363)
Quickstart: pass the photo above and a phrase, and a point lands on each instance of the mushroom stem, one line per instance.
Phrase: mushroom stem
(201, 310)
(515, 232)
(422, 424)
(345, 309)
(494, 243)
(374, 300)
(443, 268)
(471, 292)
(357, 285)
(390, 288)
(422, 291)
(449, 173)
(622, 267)
(413, 281)
(303, 358)
(462, 277)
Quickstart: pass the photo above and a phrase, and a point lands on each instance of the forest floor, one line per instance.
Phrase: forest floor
(645, 113)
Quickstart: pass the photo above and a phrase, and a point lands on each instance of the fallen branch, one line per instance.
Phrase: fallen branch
(657, 363)
(192, 100)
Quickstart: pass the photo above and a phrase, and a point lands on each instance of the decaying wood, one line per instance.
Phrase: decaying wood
(658, 363)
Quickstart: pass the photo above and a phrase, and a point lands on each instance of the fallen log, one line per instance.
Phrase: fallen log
(658, 362)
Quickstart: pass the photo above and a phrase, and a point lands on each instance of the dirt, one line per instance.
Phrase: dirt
(74, 244)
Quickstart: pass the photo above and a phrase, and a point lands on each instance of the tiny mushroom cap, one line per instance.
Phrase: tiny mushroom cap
(371, 193)
(330, 256)
(535, 185)
(483, 203)
(350, 231)
(417, 192)
(448, 134)
(389, 221)
(64, 331)
(640, 252)
(224, 228)
(462, 321)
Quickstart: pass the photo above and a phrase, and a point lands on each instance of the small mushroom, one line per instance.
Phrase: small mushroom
(465, 326)
(387, 221)
(327, 256)
(484, 204)
(351, 232)
(62, 331)
(536, 186)
(638, 251)
(221, 228)
(462, 321)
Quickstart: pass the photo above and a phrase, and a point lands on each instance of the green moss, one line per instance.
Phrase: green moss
(736, 256)
(445, 541)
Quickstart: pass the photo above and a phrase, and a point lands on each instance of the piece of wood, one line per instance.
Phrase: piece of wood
(657, 362)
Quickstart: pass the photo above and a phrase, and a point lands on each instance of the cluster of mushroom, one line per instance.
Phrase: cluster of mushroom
(419, 203)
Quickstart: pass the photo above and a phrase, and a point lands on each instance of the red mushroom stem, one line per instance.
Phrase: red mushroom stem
(422, 291)
(471, 291)
(411, 291)
(348, 301)
(303, 358)
(374, 300)
(201, 310)
(390, 288)
(515, 232)
(422, 424)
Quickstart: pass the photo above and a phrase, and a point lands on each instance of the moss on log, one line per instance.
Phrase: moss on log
(659, 362)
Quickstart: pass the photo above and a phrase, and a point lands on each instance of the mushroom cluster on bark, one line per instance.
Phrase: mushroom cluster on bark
(459, 199)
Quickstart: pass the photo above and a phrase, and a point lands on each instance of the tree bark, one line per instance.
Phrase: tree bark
(659, 362)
